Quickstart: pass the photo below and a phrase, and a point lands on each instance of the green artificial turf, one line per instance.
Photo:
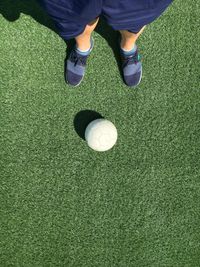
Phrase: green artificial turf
(62, 204)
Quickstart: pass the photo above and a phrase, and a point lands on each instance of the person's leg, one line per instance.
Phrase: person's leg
(128, 39)
(129, 19)
(83, 41)
(131, 64)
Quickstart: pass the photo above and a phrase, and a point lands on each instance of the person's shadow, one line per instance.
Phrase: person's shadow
(11, 10)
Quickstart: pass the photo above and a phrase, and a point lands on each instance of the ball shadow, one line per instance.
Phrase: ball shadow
(82, 119)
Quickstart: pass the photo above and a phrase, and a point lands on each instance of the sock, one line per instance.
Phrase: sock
(129, 52)
(84, 52)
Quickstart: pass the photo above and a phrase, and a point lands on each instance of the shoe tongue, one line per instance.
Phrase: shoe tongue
(81, 60)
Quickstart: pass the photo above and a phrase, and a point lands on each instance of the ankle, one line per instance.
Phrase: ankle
(83, 45)
(83, 48)
(127, 45)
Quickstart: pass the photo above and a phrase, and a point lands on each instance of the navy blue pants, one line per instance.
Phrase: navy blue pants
(71, 16)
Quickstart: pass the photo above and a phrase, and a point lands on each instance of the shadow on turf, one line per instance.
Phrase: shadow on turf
(82, 119)
(11, 10)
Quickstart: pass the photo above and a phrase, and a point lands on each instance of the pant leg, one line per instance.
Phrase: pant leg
(132, 15)
(140, 23)
(71, 16)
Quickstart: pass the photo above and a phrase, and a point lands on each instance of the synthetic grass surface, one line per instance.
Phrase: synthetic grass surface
(63, 204)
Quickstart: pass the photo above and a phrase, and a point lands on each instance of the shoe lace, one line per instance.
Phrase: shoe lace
(133, 59)
(76, 58)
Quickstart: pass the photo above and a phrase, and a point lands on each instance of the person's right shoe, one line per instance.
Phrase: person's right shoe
(76, 65)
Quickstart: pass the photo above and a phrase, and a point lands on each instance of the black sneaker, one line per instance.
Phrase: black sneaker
(76, 65)
(132, 68)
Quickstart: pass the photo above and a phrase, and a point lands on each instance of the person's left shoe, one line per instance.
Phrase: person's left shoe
(131, 66)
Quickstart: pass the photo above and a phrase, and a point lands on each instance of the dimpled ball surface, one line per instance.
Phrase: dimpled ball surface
(101, 135)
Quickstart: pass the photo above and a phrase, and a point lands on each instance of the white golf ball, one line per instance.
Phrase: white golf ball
(101, 135)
